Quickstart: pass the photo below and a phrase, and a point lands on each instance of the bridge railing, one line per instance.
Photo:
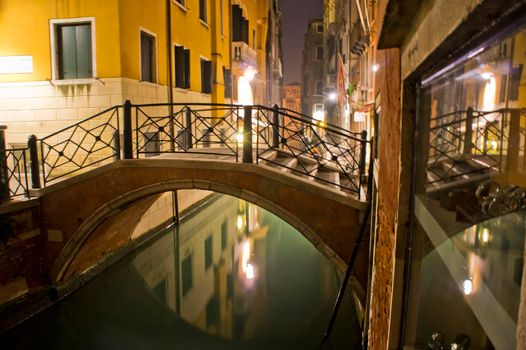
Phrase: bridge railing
(485, 140)
(241, 133)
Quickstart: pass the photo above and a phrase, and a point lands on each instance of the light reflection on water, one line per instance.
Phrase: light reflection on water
(233, 276)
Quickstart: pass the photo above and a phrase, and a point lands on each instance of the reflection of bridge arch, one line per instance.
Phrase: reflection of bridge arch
(327, 218)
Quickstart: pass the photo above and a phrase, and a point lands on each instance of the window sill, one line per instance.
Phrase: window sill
(148, 83)
(181, 6)
(204, 23)
(82, 81)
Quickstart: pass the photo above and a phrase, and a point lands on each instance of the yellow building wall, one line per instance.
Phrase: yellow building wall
(150, 16)
(24, 25)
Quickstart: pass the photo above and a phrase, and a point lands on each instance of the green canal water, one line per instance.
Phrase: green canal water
(231, 276)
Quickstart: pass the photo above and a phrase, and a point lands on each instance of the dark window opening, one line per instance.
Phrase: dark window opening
(147, 57)
(186, 270)
(206, 76)
(182, 67)
(202, 10)
(208, 253)
(227, 78)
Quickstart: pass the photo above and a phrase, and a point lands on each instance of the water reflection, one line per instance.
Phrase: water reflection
(232, 276)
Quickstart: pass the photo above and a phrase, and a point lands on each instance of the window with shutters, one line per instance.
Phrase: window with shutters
(72, 42)
(227, 78)
(182, 67)
(203, 11)
(206, 76)
(239, 25)
(148, 59)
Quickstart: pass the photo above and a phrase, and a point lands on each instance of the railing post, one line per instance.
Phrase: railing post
(363, 151)
(116, 146)
(275, 127)
(468, 135)
(4, 177)
(514, 138)
(247, 135)
(128, 141)
(188, 133)
(33, 159)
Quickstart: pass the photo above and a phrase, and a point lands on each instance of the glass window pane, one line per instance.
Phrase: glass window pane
(83, 49)
(67, 52)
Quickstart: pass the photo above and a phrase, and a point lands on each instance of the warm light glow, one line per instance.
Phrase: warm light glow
(249, 74)
(244, 92)
(319, 115)
(485, 235)
(486, 75)
(250, 271)
(239, 218)
(375, 67)
(239, 137)
(467, 285)
(332, 96)
(489, 92)
(494, 145)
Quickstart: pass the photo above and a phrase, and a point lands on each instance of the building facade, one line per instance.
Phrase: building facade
(292, 97)
(312, 71)
(87, 56)
(448, 233)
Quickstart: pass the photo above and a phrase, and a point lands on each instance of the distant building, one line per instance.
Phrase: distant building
(312, 71)
(292, 97)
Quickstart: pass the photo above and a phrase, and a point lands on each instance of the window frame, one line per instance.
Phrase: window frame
(155, 71)
(316, 53)
(201, 60)
(54, 24)
(205, 12)
(187, 67)
(318, 26)
(316, 92)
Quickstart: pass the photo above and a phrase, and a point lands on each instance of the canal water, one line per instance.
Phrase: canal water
(231, 276)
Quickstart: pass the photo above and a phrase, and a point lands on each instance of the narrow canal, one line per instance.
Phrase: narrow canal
(230, 276)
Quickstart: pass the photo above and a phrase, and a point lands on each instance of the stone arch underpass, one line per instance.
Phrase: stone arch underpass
(75, 208)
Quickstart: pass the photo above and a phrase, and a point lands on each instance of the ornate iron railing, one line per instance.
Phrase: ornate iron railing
(14, 172)
(314, 150)
(469, 142)
(91, 142)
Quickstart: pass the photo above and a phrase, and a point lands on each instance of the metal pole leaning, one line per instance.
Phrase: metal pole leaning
(127, 142)
(247, 135)
(33, 159)
(275, 127)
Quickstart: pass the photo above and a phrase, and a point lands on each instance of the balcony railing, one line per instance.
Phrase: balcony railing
(243, 54)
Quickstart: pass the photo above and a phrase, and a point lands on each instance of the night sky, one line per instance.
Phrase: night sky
(296, 14)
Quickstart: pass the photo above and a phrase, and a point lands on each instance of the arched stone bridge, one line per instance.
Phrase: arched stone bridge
(78, 208)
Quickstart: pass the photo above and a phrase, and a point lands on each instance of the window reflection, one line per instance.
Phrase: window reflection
(470, 199)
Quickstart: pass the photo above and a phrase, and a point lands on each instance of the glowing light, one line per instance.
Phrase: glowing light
(244, 91)
(494, 145)
(375, 67)
(239, 220)
(239, 137)
(467, 285)
(332, 96)
(249, 73)
(489, 91)
(319, 115)
(485, 235)
(486, 75)
(250, 271)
